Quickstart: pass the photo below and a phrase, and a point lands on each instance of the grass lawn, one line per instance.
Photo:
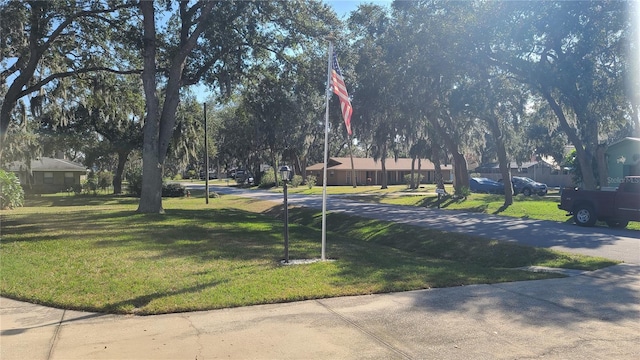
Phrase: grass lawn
(96, 253)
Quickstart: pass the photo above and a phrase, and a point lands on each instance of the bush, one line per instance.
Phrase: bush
(134, 178)
(173, 190)
(311, 181)
(105, 179)
(91, 184)
(463, 192)
(296, 181)
(177, 177)
(11, 193)
(416, 177)
(268, 179)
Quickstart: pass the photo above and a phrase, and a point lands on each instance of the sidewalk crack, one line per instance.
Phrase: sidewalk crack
(366, 332)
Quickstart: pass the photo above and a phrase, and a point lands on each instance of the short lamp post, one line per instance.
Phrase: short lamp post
(285, 173)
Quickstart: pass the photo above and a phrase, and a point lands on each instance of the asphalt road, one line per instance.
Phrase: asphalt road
(616, 244)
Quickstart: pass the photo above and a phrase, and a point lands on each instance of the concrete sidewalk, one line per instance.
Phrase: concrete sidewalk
(590, 316)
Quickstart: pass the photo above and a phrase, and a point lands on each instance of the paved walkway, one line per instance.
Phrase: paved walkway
(593, 315)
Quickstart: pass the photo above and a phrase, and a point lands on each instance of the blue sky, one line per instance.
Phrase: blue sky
(344, 7)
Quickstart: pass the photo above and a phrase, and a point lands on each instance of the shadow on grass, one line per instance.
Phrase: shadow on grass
(80, 200)
(139, 303)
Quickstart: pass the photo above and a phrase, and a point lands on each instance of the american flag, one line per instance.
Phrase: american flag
(339, 88)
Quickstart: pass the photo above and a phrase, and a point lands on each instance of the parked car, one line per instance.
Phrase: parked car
(244, 177)
(616, 208)
(527, 186)
(212, 175)
(484, 185)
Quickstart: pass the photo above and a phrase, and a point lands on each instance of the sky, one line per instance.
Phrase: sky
(344, 7)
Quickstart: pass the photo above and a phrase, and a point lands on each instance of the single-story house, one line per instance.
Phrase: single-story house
(369, 171)
(623, 159)
(48, 175)
(540, 171)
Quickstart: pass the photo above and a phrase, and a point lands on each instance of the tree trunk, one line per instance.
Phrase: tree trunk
(419, 173)
(460, 171)
(494, 126)
(438, 179)
(276, 168)
(383, 162)
(584, 160)
(117, 179)
(412, 184)
(602, 165)
(151, 196)
(506, 174)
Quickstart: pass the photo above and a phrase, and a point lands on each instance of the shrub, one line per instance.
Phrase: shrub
(296, 181)
(177, 177)
(11, 193)
(463, 192)
(416, 177)
(105, 179)
(134, 178)
(173, 190)
(311, 181)
(91, 184)
(268, 179)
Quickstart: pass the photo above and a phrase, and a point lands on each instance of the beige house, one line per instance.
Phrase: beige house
(48, 175)
(369, 172)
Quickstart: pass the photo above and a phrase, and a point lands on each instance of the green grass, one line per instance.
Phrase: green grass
(96, 253)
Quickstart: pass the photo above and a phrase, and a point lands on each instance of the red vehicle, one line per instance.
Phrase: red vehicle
(616, 208)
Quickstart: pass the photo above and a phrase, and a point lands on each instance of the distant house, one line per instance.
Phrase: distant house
(369, 172)
(540, 171)
(623, 159)
(48, 175)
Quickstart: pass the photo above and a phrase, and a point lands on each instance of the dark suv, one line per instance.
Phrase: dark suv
(526, 186)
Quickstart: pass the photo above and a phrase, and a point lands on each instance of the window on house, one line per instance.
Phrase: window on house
(68, 178)
(48, 178)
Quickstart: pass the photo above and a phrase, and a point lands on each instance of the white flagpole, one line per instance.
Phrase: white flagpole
(326, 152)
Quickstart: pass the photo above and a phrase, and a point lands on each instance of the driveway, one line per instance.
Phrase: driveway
(616, 244)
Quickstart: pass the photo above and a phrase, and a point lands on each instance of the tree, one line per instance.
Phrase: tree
(376, 101)
(572, 54)
(41, 45)
(215, 41)
(439, 29)
(115, 111)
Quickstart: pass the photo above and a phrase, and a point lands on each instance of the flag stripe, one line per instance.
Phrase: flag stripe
(340, 89)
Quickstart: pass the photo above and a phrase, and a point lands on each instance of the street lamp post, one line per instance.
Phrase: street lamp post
(285, 173)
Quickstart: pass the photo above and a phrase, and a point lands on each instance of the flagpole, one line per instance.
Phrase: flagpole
(353, 169)
(326, 152)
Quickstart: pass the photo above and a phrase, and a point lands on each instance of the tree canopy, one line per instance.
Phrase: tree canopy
(497, 80)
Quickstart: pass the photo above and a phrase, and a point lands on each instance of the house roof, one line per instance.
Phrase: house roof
(47, 164)
(625, 140)
(402, 164)
(524, 165)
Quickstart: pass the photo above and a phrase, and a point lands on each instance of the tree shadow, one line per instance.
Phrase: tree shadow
(501, 209)
(604, 295)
